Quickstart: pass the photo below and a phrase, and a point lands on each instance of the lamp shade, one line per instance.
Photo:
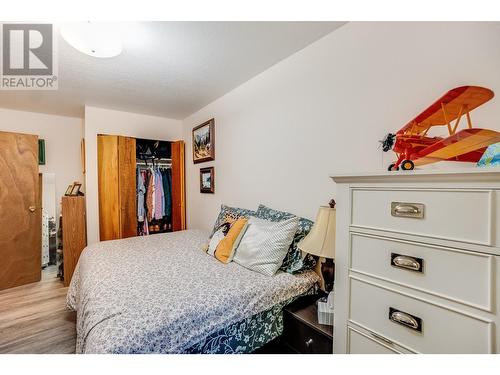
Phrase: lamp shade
(321, 239)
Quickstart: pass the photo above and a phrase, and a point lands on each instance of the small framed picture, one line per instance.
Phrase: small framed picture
(76, 189)
(204, 142)
(69, 190)
(207, 180)
(41, 152)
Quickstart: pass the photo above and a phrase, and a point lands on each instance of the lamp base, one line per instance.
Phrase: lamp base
(328, 274)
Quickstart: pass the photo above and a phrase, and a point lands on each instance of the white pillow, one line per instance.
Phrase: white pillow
(265, 244)
(214, 241)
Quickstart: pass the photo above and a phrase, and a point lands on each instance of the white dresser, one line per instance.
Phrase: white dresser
(418, 262)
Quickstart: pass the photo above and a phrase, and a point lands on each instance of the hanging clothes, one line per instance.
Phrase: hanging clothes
(141, 191)
(167, 192)
(159, 197)
(150, 196)
(169, 197)
(154, 200)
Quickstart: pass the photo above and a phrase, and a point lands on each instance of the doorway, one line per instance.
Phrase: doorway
(49, 243)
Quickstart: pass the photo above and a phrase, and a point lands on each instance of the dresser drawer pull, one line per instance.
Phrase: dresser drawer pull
(405, 319)
(413, 210)
(407, 262)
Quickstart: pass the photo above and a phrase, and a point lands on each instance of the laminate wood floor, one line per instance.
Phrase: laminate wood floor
(34, 318)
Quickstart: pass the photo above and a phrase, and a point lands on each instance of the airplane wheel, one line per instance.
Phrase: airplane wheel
(392, 167)
(407, 165)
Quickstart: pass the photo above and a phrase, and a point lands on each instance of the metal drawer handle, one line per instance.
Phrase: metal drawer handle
(401, 209)
(309, 343)
(405, 319)
(406, 209)
(407, 262)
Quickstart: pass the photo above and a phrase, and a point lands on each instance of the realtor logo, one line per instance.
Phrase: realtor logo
(28, 60)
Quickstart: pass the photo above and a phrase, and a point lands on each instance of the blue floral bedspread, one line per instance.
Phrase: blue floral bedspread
(245, 336)
(163, 294)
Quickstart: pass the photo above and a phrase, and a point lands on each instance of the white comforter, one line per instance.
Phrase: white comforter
(163, 294)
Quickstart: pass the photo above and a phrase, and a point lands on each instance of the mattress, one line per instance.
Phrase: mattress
(163, 294)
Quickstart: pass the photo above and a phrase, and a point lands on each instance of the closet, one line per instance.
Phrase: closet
(141, 186)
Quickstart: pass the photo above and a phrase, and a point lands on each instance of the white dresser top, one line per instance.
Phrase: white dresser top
(475, 173)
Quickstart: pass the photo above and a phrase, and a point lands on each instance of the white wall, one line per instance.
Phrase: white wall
(62, 136)
(104, 121)
(321, 111)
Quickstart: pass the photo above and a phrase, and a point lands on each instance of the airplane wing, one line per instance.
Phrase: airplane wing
(463, 142)
(453, 100)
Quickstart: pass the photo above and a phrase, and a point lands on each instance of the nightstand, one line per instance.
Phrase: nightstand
(301, 331)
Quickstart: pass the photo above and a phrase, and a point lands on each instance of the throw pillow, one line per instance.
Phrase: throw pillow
(227, 246)
(295, 261)
(265, 244)
(229, 215)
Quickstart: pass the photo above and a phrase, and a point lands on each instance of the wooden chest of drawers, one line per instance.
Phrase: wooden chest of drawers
(418, 262)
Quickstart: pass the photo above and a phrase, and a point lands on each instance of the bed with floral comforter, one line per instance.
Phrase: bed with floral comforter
(163, 294)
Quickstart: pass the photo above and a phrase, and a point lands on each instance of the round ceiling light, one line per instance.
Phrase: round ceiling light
(98, 39)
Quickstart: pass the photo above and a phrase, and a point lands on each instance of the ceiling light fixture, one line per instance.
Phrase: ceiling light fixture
(97, 39)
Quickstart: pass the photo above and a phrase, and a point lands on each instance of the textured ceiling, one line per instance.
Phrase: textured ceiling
(168, 69)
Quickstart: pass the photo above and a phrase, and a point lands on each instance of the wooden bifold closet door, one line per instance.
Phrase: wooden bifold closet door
(20, 210)
(117, 185)
(178, 187)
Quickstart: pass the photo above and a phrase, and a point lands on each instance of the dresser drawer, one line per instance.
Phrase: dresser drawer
(453, 274)
(359, 343)
(459, 215)
(416, 324)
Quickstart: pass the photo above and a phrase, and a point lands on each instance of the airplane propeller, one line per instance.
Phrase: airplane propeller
(388, 142)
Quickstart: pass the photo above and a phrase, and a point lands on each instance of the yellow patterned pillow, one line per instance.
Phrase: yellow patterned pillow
(227, 246)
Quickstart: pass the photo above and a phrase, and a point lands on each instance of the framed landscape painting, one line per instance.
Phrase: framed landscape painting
(204, 142)
(207, 180)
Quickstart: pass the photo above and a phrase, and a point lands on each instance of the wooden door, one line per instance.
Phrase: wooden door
(20, 214)
(117, 187)
(109, 202)
(127, 180)
(178, 187)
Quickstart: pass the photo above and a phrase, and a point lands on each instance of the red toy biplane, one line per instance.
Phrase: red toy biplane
(413, 147)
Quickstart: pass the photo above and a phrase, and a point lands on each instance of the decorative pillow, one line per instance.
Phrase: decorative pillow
(227, 246)
(295, 261)
(230, 215)
(217, 237)
(265, 244)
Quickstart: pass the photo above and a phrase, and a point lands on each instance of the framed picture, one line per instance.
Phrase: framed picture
(69, 190)
(204, 142)
(207, 180)
(41, 152)
(76, 189)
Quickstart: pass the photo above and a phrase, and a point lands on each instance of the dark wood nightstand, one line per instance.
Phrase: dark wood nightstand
(301, 331)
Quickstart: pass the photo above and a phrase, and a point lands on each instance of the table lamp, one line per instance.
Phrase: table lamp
(321, 242)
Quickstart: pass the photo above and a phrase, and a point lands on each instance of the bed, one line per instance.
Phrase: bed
(163, 294)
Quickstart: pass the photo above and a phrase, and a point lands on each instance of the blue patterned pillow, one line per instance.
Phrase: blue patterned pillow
(230, 215)
(294, 261)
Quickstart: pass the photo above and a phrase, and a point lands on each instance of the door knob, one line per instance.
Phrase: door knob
(32, 208)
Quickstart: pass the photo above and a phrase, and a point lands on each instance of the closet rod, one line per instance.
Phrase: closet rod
(143, 164)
